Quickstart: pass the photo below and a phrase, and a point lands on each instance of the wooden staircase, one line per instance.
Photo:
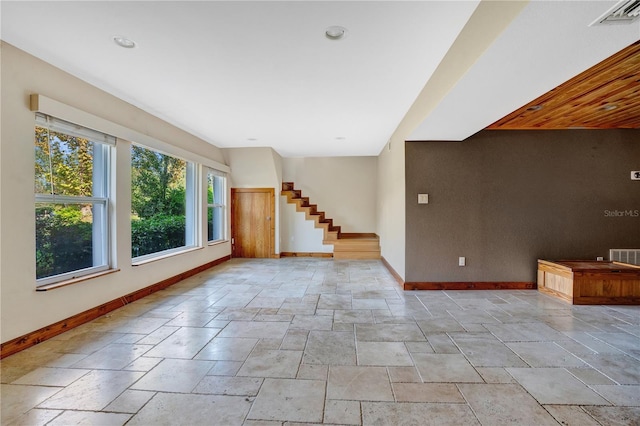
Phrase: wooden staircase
(345, 245)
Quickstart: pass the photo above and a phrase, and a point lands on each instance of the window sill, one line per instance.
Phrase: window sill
(165, 256)
(65, 283)
(215, 243)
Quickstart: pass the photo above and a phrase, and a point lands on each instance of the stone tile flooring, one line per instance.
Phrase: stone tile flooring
(289, 341)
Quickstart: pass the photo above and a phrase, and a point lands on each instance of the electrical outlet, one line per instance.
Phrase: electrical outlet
(635, 175)
(462, 261)
(599, 258)
(423, 198)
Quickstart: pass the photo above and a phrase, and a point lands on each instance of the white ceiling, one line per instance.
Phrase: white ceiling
(262, 73)
(547, 44)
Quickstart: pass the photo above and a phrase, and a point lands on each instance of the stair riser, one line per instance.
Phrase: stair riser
(339, 248)
(355, 255)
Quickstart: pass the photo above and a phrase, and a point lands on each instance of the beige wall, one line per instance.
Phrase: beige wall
(257, 168)
(24, 309)
(391, 205)
(253, 167)
(342, 187)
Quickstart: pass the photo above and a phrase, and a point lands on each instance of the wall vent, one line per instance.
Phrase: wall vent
(624, 12)
(631, 256)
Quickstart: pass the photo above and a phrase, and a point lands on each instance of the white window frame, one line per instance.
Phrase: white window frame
(191, 203)
(222, 202)
(101, 235)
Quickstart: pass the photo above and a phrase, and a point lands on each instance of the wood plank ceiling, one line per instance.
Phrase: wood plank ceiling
(606, 96)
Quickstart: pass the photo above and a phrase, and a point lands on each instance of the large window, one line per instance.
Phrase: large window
(216, 210)
(162, 203)
(72, 200)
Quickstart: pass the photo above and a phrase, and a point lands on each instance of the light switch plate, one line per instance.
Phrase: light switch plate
(423, 198)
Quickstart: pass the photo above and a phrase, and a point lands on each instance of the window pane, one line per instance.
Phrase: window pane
(219, 190)
(216, 189)
(64, 164)
(158, 201)
(215, 221)
(210, 187)
(71, 187)
(67, 239)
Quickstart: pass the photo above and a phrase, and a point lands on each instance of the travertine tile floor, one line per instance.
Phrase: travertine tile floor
(267, 342)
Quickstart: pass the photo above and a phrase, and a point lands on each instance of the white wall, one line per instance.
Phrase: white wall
(297, 234)
(23, 309)
(391, 204)
(342, 187)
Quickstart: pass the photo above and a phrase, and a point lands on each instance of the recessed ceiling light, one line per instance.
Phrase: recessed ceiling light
(608, 107)
(534, 108)
(335, 32)
(124, 42)
(252, 139)
(340, 138)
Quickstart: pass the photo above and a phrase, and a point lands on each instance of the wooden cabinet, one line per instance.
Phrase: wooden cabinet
(589, 282)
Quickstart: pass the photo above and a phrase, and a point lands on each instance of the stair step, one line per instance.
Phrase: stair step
(328, 221)
(346, 245)
(317, 216)
(331, 236)
(287, 186)
(357, 246)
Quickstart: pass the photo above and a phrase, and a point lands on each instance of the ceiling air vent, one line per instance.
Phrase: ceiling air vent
(624, 12)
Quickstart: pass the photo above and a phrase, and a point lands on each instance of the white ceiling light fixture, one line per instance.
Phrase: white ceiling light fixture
(124, 42)
(335, 32)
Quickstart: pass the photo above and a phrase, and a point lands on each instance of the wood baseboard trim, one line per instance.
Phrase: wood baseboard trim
(471, 285)
(393, 272)
(304, 254)
(38, 336)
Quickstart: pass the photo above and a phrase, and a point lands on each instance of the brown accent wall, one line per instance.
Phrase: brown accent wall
(504, 199)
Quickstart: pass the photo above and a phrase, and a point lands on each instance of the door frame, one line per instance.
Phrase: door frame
(272, 225)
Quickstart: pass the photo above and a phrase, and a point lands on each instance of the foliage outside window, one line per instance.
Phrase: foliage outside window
(71, 192)
(162, 203)
(216, 213)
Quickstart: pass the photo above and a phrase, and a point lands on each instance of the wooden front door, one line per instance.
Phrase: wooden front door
(252, 222)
